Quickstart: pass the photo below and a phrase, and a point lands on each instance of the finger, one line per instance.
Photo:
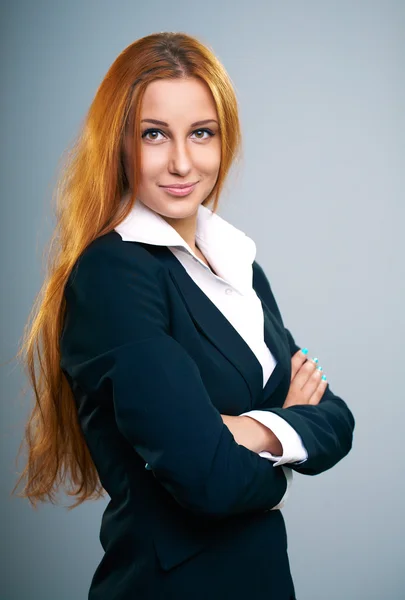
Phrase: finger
(319, 392)
(312, 383)
(297, 360)
(305, 372)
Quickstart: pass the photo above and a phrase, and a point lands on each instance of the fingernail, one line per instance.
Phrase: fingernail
(315, 360)
(304, 350)
(323, 378)
(319, 368)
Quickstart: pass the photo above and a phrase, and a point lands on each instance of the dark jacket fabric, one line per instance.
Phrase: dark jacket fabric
(152, 364)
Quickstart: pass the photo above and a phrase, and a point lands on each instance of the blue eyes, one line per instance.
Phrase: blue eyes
(147, 131)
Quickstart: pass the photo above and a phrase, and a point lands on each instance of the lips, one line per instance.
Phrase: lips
(179, 191)
(180, 185)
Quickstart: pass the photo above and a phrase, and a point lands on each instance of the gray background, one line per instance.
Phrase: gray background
(321, 189)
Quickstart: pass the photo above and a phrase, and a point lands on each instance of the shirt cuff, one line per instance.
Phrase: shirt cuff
(293, 448)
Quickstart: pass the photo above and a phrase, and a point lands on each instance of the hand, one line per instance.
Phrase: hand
(307, 385)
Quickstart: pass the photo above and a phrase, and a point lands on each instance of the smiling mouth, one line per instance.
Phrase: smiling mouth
(179, 191)
(180, 185)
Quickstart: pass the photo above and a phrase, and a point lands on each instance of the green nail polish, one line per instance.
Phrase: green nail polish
(323, 378)
(319, 368)
(315, 360)
(304, 350)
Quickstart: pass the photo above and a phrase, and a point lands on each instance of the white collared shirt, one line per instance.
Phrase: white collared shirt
(231, 253)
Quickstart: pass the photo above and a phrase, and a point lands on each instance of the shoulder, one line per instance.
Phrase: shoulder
(264, 290)
(111, 246)
(120, 282)
(262, 285)
(259, 277)
(108, 256)
(257, 269)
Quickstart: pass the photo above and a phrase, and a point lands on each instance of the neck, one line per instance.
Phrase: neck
(186, 228)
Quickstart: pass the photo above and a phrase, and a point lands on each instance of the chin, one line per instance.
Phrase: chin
(177, 208)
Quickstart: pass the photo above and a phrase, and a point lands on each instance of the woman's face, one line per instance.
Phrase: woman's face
(179, 151)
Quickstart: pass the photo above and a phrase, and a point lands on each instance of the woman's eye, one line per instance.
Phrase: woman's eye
(210, 133)
(148, 131)
(153, 131)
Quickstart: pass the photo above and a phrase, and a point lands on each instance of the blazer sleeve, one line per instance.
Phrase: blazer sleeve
(326, 429)
(116, 339)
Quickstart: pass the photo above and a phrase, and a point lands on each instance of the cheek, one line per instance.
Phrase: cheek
(212, 164)
(152, 162)
(208, 161)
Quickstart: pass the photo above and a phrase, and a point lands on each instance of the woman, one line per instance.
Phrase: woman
(167, 377)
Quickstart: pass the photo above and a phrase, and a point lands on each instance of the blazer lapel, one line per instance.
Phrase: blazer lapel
(277, 342)
(216, 327)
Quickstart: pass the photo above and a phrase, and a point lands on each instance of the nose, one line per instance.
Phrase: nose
(180, 160)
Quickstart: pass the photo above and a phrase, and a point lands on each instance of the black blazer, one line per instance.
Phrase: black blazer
(152, 363)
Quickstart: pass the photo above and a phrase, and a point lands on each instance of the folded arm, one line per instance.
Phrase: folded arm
(116, 339)
(325, 429)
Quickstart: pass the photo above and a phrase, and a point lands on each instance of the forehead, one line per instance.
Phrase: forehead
(178, 99)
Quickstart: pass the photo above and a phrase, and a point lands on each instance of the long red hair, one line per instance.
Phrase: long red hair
(90, 186)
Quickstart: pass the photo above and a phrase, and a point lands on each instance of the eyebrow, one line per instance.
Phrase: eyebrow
(196, 124)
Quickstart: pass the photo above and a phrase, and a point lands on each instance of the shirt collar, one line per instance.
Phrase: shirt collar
(229, 250)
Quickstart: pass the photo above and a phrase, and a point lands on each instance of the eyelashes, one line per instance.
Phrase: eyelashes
(153, 130)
